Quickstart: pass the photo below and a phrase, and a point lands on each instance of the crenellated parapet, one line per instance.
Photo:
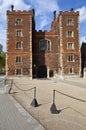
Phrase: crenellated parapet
(24, 12)
(69, 13)
(17, 12)
(45, 32)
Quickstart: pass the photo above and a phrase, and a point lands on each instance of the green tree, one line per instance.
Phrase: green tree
(2, 61)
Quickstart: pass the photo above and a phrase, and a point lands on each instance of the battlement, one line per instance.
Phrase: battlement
(12, 11)
(68, 13)
(42, 31)
(45, 32)
(20, 12)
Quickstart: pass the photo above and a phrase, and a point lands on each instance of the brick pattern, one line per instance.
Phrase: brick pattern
(54, 59)
(75, 39)
(25, 39)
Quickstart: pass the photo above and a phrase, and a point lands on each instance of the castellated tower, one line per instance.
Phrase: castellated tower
(19, 42)
(68, 25)
(42, 54)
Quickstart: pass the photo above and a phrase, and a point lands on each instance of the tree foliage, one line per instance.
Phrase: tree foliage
(2, 61)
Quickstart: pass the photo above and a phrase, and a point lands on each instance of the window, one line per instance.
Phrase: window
(70, 58)
(70, 45)
(70, 34)
(51, 73)
(19, 33)
(18, 59)
(71, 70)
(18, 45)
(69, 22)
(44, 45)
(18, 71)
(18, 21)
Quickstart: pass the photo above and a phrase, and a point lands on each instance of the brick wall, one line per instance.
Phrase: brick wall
(64, 40)
(56, 58)
(50, 58)
(25, 52)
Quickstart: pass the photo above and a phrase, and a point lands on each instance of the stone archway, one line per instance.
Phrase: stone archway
(42, 71)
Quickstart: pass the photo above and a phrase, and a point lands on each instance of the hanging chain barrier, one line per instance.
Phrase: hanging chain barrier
(70, 96)
(21, 88)
(34, 102)
(53, 107)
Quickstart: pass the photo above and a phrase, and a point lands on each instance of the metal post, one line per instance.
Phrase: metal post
(54, 96)
(34, 102)
(53, 107)
(34, 92)
(11, 86)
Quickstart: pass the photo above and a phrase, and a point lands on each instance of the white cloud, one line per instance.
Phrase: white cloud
(44, 22)
(42, 7)
(3, 38)
(82, 11)
(44, 10)
(83, 39)
(5, 5)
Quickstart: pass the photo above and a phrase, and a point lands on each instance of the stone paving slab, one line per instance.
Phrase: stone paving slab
(14, 117)
(73, 107)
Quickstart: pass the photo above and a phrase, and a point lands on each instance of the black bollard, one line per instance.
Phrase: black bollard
(11, 87)
(34, 102)
(53, 108)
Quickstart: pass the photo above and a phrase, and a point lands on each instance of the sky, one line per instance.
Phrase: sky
(43, 13)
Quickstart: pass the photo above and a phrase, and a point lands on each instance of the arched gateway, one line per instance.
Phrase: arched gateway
(42, 71)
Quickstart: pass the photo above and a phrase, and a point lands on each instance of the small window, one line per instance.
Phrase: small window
(70, 34)
(51, 73)
(71, 70)
(70, 58)
(18, 21)
(70, 22)
(18, 45)
(18, 59)
(70, 45)
(19, 33)
(44, 45)
(18, 71)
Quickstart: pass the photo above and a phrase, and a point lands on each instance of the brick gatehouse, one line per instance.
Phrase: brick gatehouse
(42, 53)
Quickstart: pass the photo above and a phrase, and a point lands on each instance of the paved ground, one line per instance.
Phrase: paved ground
(14, 117)
(70, 99)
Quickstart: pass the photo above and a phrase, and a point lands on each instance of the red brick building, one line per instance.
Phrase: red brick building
(42, 53)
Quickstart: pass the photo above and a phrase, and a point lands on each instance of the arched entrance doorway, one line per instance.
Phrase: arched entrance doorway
(42, 71)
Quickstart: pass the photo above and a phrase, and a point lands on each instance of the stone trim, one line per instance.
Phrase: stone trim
(31, 46)
(61, 65)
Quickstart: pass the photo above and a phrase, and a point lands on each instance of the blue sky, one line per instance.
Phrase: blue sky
(43, 13)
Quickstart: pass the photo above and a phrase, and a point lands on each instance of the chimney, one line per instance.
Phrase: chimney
(33, 12)
(12, 7)
(71, 9)
(54, 14)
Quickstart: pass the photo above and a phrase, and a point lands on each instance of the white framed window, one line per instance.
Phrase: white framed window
(18, 45)
(70, 34)
(70, 58)
(18, 21)
(19, 33)
(69, 21)
(70, 46)
(18, 59)
(18, 71)
(44, 45)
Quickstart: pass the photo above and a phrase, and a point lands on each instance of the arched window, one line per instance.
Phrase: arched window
(44, 45)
